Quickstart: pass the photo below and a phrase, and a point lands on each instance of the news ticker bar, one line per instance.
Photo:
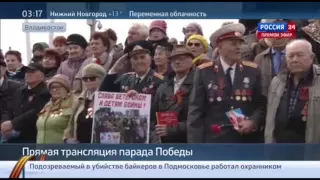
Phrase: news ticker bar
(163, 169)
(159, 10)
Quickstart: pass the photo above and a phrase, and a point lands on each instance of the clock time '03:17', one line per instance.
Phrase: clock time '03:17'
(31, 13)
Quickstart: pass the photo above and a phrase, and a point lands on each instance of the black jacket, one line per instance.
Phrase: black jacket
(27, 104)
(165, 103)
(7, 93)
(49, 73)
(18, 76)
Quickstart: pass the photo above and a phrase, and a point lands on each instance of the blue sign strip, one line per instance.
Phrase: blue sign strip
(163, 152)
(159, 10)
(272, 27)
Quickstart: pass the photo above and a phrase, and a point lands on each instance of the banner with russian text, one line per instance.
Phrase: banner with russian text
(120, 119)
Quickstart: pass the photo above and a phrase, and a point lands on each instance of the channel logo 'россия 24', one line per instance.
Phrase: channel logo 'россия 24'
(277, 30)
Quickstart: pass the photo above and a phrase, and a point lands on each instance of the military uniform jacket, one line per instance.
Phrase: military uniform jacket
(167, 101)
(209, 103)
(128, 81)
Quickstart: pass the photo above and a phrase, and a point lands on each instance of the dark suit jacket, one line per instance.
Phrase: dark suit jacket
(27, 105)
(165, 103)
(7, 94)
(209, 102)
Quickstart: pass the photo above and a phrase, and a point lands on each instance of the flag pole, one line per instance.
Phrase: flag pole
(51, 34)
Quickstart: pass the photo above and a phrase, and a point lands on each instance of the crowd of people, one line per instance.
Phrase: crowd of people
(273, 81)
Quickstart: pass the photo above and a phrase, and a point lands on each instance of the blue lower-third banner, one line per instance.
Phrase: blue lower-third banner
(167, 152)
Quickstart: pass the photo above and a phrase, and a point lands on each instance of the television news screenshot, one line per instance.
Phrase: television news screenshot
(159, 90)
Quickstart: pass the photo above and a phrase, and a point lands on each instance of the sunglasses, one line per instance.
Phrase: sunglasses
(89, 79)
(194, 44)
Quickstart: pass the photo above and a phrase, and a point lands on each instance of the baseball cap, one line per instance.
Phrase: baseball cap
(35, 67)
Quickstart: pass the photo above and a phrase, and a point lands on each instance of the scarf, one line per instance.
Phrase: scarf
(198, 59)
(37, 59)
(159, 41)
(82, 57)
(50, 72)
(12, 73)
(64, 56)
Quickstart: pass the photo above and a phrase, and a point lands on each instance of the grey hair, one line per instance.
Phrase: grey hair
(301, 41)
(142, 29)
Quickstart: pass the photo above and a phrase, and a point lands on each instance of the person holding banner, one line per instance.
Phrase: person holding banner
(172, 98)
(226, 103)
(80, 125)
(143, 80)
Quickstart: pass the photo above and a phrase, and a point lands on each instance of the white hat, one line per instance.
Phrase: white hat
(232, 30)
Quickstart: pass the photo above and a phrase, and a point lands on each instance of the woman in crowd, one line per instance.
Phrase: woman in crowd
(161, 53)
(80, 126)
(15, 69)
(38, 51)
(115, 50)
(77, 45)
(196, 29)
(198, 46)
(192, 29)
(158, 32)
(51, 63)
(55, 116)
(61, 46)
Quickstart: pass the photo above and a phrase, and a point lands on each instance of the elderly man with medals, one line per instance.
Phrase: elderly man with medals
(143, 80)
(226, 103)
(172, 98)
(293, 99)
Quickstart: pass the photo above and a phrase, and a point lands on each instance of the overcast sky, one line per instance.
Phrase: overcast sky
(12, 36)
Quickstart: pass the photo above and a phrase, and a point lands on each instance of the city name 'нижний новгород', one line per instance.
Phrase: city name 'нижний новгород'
(79, 14)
